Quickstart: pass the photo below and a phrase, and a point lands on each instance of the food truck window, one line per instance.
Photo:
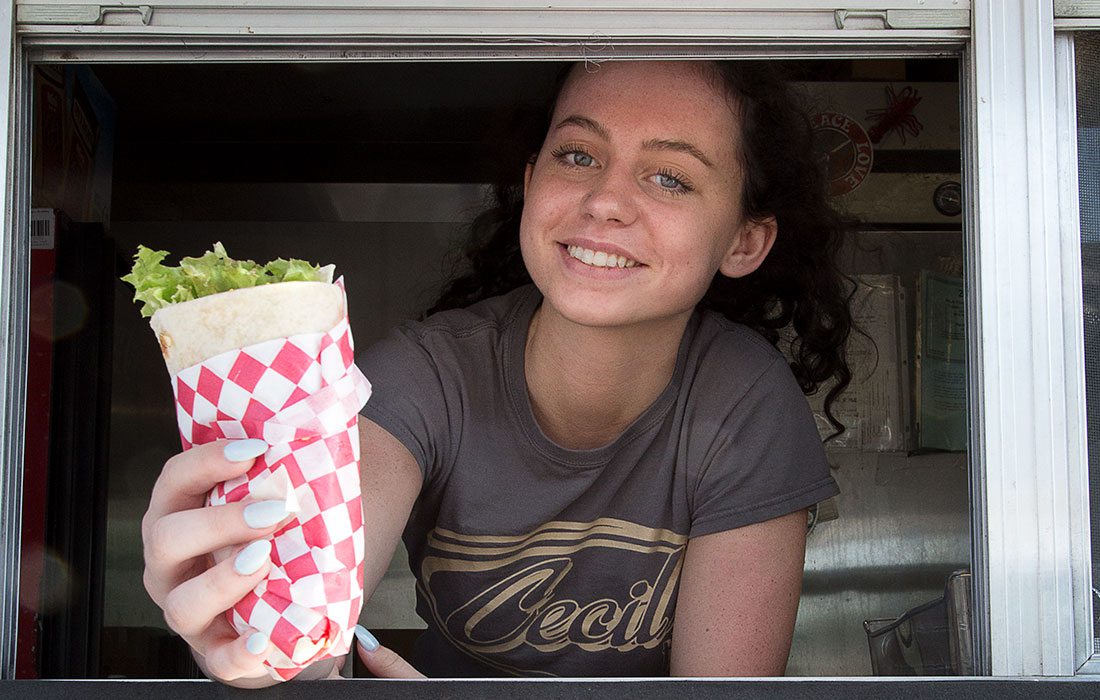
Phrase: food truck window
(379, 168)
(1087, 56)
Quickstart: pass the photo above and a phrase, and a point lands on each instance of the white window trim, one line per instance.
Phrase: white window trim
(493, 18)
(1027, 335)
(1076, 14)
(212, 30)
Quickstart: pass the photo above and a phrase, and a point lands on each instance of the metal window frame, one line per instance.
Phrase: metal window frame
(12, 352)
(1022, 275)
(14, 250)
(1074, 353)
(1073, 16)
(1027, 338)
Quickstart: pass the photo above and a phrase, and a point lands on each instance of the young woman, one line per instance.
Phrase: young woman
(605, 471)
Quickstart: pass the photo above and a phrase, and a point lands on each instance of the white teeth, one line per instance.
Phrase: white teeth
(599, 258)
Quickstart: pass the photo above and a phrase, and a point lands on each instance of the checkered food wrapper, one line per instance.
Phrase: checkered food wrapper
(302, 395)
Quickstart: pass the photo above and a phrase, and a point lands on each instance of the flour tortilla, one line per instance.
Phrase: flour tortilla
(196, 330)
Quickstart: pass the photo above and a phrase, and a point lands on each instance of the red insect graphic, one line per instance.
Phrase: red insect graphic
(897, 116)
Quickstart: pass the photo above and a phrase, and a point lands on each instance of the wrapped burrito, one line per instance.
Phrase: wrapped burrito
(266, 352)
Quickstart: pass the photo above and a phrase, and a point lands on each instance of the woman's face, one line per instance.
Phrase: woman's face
(634, 200)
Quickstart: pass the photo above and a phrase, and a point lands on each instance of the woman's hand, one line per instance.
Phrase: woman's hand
(380, 661)
(180, 534)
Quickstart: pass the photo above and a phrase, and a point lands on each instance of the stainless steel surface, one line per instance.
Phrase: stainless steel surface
(903, 524)
(902, 530)
(960, 598)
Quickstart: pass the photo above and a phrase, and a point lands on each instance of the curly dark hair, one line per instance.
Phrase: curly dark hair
(797, 296)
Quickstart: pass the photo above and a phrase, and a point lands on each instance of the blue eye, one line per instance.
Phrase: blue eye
(672, 183)
(573, 155)
(582, 159)
(667, 181)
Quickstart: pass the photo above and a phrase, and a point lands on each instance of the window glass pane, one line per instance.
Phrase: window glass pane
(1087, 47)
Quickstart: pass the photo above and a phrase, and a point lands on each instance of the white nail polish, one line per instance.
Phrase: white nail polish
(366, 639)
(264, 513)
(240, 450)
(252, 557)
(257, 643)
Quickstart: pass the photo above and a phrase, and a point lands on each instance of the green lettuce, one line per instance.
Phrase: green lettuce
(157, 285)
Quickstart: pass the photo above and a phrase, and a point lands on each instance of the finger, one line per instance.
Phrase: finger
(188, 476)
(238, 656)
(382, 662)
(160, 581)
(190, 607)
(208, 530)
(220, 631)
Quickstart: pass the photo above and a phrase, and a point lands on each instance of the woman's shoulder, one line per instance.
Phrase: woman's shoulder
(730, 352)
(718, 335)
(449, 345)
(488, 316)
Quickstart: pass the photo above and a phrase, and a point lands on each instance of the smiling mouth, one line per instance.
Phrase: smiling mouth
(598, 258)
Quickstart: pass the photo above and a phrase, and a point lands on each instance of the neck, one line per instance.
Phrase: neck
(588, 384)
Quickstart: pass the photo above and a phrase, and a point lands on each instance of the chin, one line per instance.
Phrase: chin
(590, 309)
(606, 311)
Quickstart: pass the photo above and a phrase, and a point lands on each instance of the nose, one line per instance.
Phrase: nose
(610, 197)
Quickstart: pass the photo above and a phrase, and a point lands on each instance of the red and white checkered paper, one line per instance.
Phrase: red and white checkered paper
(301, 395)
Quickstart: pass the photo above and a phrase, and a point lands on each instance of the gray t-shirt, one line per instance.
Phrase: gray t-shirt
(533, 559)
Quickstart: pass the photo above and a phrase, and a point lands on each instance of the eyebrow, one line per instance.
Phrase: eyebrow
(674, 145)
(585, 123)
(650, 145)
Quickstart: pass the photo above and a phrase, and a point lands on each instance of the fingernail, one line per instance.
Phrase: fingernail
(252, 557)
(240, 450)
(264, 513)
(366, 639)
(256, 644)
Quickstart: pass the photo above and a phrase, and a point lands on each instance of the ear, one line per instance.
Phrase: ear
(753, 243)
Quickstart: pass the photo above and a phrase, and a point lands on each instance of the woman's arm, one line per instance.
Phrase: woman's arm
(391, 481)
(738, 598)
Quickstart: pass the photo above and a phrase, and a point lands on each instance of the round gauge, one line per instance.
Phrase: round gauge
(948, 198)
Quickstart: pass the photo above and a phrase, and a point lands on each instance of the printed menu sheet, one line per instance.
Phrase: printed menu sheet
(941, 362)
(874, 407)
